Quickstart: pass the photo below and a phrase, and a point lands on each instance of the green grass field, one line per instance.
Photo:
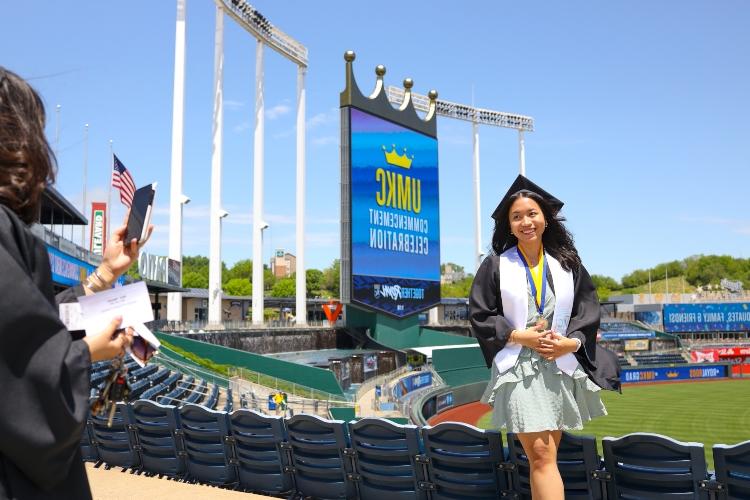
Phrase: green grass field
(705, 412)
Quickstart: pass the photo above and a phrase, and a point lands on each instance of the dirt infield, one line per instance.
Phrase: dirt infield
(469, 414)
(114, 484)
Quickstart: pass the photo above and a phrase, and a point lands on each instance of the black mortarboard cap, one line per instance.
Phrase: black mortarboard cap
(523, 184)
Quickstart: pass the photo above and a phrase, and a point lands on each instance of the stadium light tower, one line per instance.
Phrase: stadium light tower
(266, 34)
(477, 116)
(176, 198)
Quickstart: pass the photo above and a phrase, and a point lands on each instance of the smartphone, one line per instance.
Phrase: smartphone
(140, 213)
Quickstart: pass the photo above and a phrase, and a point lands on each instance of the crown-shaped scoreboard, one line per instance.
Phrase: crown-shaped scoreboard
(390, 222)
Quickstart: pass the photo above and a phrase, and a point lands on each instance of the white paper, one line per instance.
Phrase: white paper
(130, 301)
(70, 315)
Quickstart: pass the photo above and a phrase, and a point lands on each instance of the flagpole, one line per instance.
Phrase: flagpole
(109, 195)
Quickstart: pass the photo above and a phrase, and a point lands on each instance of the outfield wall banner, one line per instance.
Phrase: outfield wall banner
(411, 383)
(98, 240)
(395, 222)
(725, 317)
(444, 401)
(668, 374)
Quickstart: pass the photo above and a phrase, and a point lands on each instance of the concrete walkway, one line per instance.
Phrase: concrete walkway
(114, 484)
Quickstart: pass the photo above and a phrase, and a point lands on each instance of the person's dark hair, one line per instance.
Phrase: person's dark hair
(27, 163)
(556, 238)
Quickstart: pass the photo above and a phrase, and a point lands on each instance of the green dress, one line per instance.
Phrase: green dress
(535, 395)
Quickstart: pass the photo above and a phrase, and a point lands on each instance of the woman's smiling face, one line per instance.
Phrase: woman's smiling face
(526, 220)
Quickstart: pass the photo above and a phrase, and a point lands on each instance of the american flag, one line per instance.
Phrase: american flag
(122, 180)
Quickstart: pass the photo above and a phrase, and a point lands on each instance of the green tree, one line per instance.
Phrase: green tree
(240, 269)
(331, 279)
(240, 287)
(601, 281)
(194, 279)
(285, 287)
(314, 281)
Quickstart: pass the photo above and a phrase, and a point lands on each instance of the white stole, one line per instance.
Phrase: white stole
(515, 297)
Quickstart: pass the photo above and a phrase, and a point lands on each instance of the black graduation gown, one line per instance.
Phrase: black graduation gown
(492, 330)
(44, 376)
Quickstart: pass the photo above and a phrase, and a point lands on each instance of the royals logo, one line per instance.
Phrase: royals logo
(392, 292)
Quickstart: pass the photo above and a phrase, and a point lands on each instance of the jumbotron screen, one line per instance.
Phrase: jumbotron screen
(395, 238)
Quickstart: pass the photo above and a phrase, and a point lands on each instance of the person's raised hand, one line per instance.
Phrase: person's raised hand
(554, 345)
(110, 342)
(120, 254)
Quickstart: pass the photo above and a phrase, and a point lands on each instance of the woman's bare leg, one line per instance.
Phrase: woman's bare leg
(541, 449)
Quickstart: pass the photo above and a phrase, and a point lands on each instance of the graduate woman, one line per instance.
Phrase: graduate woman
(535, 313)
(44, 373)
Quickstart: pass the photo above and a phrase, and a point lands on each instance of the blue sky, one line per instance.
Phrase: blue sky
(640, 110)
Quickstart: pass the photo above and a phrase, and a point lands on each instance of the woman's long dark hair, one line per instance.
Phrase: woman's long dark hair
(27, 164)
(557, 240)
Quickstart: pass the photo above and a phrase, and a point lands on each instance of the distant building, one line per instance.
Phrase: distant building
(451, 274)
(283, 264)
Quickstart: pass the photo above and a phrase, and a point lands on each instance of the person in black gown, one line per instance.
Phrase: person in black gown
(44, 372)
(534, 311)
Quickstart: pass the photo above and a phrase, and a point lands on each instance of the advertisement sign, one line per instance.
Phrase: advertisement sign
(649, 317)
(725, 317)
(444, 401)
(395, 223)
(732, 354)
(370, 363)
(636, 345)
(411, 383)
(627, 335)
(174, 272)
(98, 240)
(69, 271)
(666, 374)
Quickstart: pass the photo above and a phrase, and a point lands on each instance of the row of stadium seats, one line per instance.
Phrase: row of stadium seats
(307, 456)
(659, 359)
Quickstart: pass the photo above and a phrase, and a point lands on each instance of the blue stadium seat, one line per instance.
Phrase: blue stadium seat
(154, 392)
(321, 462)
(142, 372)
(213, 398)
(577, 460)
(385, 464)
(156, 426)
(158, 377)
(195, 394)
(138, 388)
(258, 440)
(89, 452)
(208, 450)
(732, 470)
(229, 404)
(651, 466)
(464, 462)
(116, 444)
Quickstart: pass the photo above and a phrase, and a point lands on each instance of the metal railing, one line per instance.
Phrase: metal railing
(203, 326)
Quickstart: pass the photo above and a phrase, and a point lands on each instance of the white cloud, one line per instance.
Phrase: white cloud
(278, 111)
(233, 105)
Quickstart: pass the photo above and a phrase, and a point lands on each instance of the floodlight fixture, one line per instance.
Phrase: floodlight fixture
(464, 112)
(184, 199)
(261, 28)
